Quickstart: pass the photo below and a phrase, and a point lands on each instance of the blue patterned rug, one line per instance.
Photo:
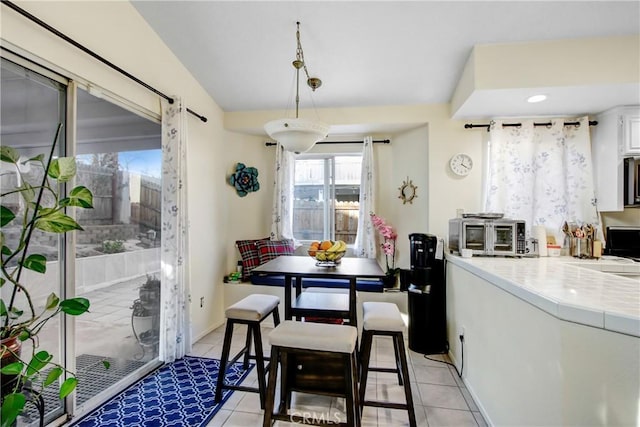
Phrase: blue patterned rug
(178, 394)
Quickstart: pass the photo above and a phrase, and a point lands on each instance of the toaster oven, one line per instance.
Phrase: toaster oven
(488, 237)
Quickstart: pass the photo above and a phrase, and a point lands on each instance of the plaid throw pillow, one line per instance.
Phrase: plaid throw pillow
(249, 253)
(270, 249)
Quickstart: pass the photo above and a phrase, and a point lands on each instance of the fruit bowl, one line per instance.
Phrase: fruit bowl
(330, 256)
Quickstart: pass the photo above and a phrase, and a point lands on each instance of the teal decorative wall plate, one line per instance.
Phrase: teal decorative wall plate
(245, 179)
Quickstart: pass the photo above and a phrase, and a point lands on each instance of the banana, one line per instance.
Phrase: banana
(336, 246)
(321, 256)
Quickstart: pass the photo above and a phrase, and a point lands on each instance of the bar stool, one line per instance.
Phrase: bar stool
(315, 358)
(383, 318)
(250, 311)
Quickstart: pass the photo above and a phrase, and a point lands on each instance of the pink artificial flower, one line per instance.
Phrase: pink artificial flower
(377, 221)
(386, 231)
(388, 248)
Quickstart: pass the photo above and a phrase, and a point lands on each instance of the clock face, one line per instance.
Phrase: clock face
(461, 164)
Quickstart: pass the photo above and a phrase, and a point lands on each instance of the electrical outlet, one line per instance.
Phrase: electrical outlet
(461, 331)
(201, 302)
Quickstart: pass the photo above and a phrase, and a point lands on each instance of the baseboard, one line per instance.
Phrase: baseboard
(471, 391)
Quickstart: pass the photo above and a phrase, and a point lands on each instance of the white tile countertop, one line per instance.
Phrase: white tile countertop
(581, 291)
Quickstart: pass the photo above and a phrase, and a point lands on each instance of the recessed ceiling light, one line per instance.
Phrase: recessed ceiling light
(536, 98)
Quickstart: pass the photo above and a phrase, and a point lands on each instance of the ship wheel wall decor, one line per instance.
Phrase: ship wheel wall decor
(407, 191)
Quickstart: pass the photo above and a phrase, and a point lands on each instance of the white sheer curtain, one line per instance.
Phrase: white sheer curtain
(282, 212)
(542, 175)
(175, 326)
(365, 244)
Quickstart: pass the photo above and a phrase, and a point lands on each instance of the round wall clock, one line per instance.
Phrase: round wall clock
(461, 164)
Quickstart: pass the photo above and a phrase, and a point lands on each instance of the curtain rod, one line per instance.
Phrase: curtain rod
(93, 54)
(379, 141)
(547, 124)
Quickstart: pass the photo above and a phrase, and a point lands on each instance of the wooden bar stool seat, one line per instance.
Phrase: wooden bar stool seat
(383, 318)
(250, 311)
(315, 358)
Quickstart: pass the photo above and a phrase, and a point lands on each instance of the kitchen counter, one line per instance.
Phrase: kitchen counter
(550, 341)
(581, 291)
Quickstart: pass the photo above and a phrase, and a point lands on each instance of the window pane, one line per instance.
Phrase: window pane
(118, 253)
(309, 199)
(347, 203)
(325, 208)
(32, 106)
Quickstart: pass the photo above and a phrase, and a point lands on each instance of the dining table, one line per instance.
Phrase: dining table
(324, 305)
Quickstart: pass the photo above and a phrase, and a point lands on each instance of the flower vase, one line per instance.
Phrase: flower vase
(389, 281)
(11, 349)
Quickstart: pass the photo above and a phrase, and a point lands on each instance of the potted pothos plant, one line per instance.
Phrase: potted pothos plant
(38, 206)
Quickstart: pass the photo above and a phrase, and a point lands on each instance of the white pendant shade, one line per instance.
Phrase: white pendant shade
(297, 135)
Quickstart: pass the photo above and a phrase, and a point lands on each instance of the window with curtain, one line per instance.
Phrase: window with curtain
(542, 174)
(326, 197)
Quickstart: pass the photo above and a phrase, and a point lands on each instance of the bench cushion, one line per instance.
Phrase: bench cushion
(272, 249)
(366, 285)
(253, 307)
(249, 254)
(314, 336)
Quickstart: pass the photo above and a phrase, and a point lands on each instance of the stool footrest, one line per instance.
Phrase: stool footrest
(390, 405)
(242, 388)
(307, 421)
(388, 370)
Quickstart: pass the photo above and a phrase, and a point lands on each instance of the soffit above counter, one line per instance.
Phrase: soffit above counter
(579, 76)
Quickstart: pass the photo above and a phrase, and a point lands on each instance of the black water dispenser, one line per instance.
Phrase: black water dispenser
(427, 295)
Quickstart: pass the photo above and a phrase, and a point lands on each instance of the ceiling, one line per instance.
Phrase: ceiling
(369, 53)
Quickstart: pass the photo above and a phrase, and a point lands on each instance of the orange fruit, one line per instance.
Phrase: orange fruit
(313, 247)
(326, 244)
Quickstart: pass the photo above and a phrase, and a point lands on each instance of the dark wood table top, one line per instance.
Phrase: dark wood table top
(306, 266)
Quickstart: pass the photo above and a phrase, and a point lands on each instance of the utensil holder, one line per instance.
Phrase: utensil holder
(581, 248)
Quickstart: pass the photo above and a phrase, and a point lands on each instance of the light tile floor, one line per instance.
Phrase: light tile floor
(439, 396)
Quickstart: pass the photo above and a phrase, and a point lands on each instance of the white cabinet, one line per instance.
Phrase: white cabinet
(616, 136)
(631, 133)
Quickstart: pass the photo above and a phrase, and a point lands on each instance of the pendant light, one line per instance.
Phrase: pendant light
(296, 134)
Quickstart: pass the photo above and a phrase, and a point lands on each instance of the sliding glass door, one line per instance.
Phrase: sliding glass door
(115, 261)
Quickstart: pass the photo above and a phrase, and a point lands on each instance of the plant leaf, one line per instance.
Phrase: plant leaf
(9, 154)
(67, 387)
(5, 251)
(38, 361)
(38, 158)
(80, 196)
(14, 313)
(53, 375)
(6, 216)
(12, 405)
(56, 222)
(3, 309)
(36, 262)
(52, 301)
(75, 306)
(106, 364)
(24, 335)
(12, 368)
(63, 168)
